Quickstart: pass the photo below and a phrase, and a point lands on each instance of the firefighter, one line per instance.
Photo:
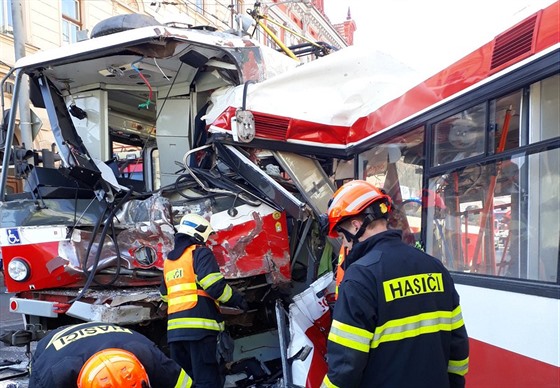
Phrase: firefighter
(192, 287)
(397, 321)
(95, 354)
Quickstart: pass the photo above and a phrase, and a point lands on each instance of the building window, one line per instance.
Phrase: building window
(71, 20)
(6, 23)
(297, 21)
(199, 6)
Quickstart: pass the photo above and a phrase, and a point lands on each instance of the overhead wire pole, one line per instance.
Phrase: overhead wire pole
(276, 39)
(256, 14)
(20, 37)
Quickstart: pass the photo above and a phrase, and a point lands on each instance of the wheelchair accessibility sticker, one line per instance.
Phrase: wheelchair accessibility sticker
(13, 236)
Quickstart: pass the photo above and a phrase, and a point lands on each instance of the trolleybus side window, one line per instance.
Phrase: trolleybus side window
(460, 136)
(502, 213)
(507, 132)
(397, 166)
(545, 109)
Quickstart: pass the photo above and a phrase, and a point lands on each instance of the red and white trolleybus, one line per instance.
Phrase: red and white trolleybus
(471, 157)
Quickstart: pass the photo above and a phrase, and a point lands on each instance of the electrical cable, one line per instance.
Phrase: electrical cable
(146, 104)
(162, 72)
(91, 274)
(118, 263)
(183, 177)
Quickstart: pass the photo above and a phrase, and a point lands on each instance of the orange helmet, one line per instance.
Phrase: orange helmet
(354, 198)
(111, 368)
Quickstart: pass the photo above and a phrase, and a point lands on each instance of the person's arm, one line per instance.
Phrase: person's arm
(351, 333)
(210, 278)
(459, 353)
(163, 290)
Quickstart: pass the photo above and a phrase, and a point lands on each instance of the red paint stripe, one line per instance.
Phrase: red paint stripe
(493, 367)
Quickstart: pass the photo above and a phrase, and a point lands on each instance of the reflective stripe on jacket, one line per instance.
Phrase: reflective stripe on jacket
(203, 318)
(397, 321)
(184, 380)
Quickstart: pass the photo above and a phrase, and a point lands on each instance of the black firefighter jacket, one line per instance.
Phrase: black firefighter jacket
(397, 321)
(59, 356)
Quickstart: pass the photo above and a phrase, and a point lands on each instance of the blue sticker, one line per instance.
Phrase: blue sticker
(13, 236)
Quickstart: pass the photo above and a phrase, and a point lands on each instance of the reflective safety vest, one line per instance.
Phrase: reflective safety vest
(180, 280)
(339, 270)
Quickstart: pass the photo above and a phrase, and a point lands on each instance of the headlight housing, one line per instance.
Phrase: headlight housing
(19, 270)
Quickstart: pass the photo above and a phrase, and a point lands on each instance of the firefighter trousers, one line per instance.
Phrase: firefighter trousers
(198, 359)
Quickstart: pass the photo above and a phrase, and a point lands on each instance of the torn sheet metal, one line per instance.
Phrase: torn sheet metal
(57, 254)
(253, 242)
(120, 315)
(310, 321)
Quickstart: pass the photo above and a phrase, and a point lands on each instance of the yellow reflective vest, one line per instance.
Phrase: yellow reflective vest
(180, 279)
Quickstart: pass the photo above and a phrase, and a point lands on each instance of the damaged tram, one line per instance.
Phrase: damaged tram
(86, 224)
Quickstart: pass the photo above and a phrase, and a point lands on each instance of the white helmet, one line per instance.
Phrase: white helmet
(195, 226)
